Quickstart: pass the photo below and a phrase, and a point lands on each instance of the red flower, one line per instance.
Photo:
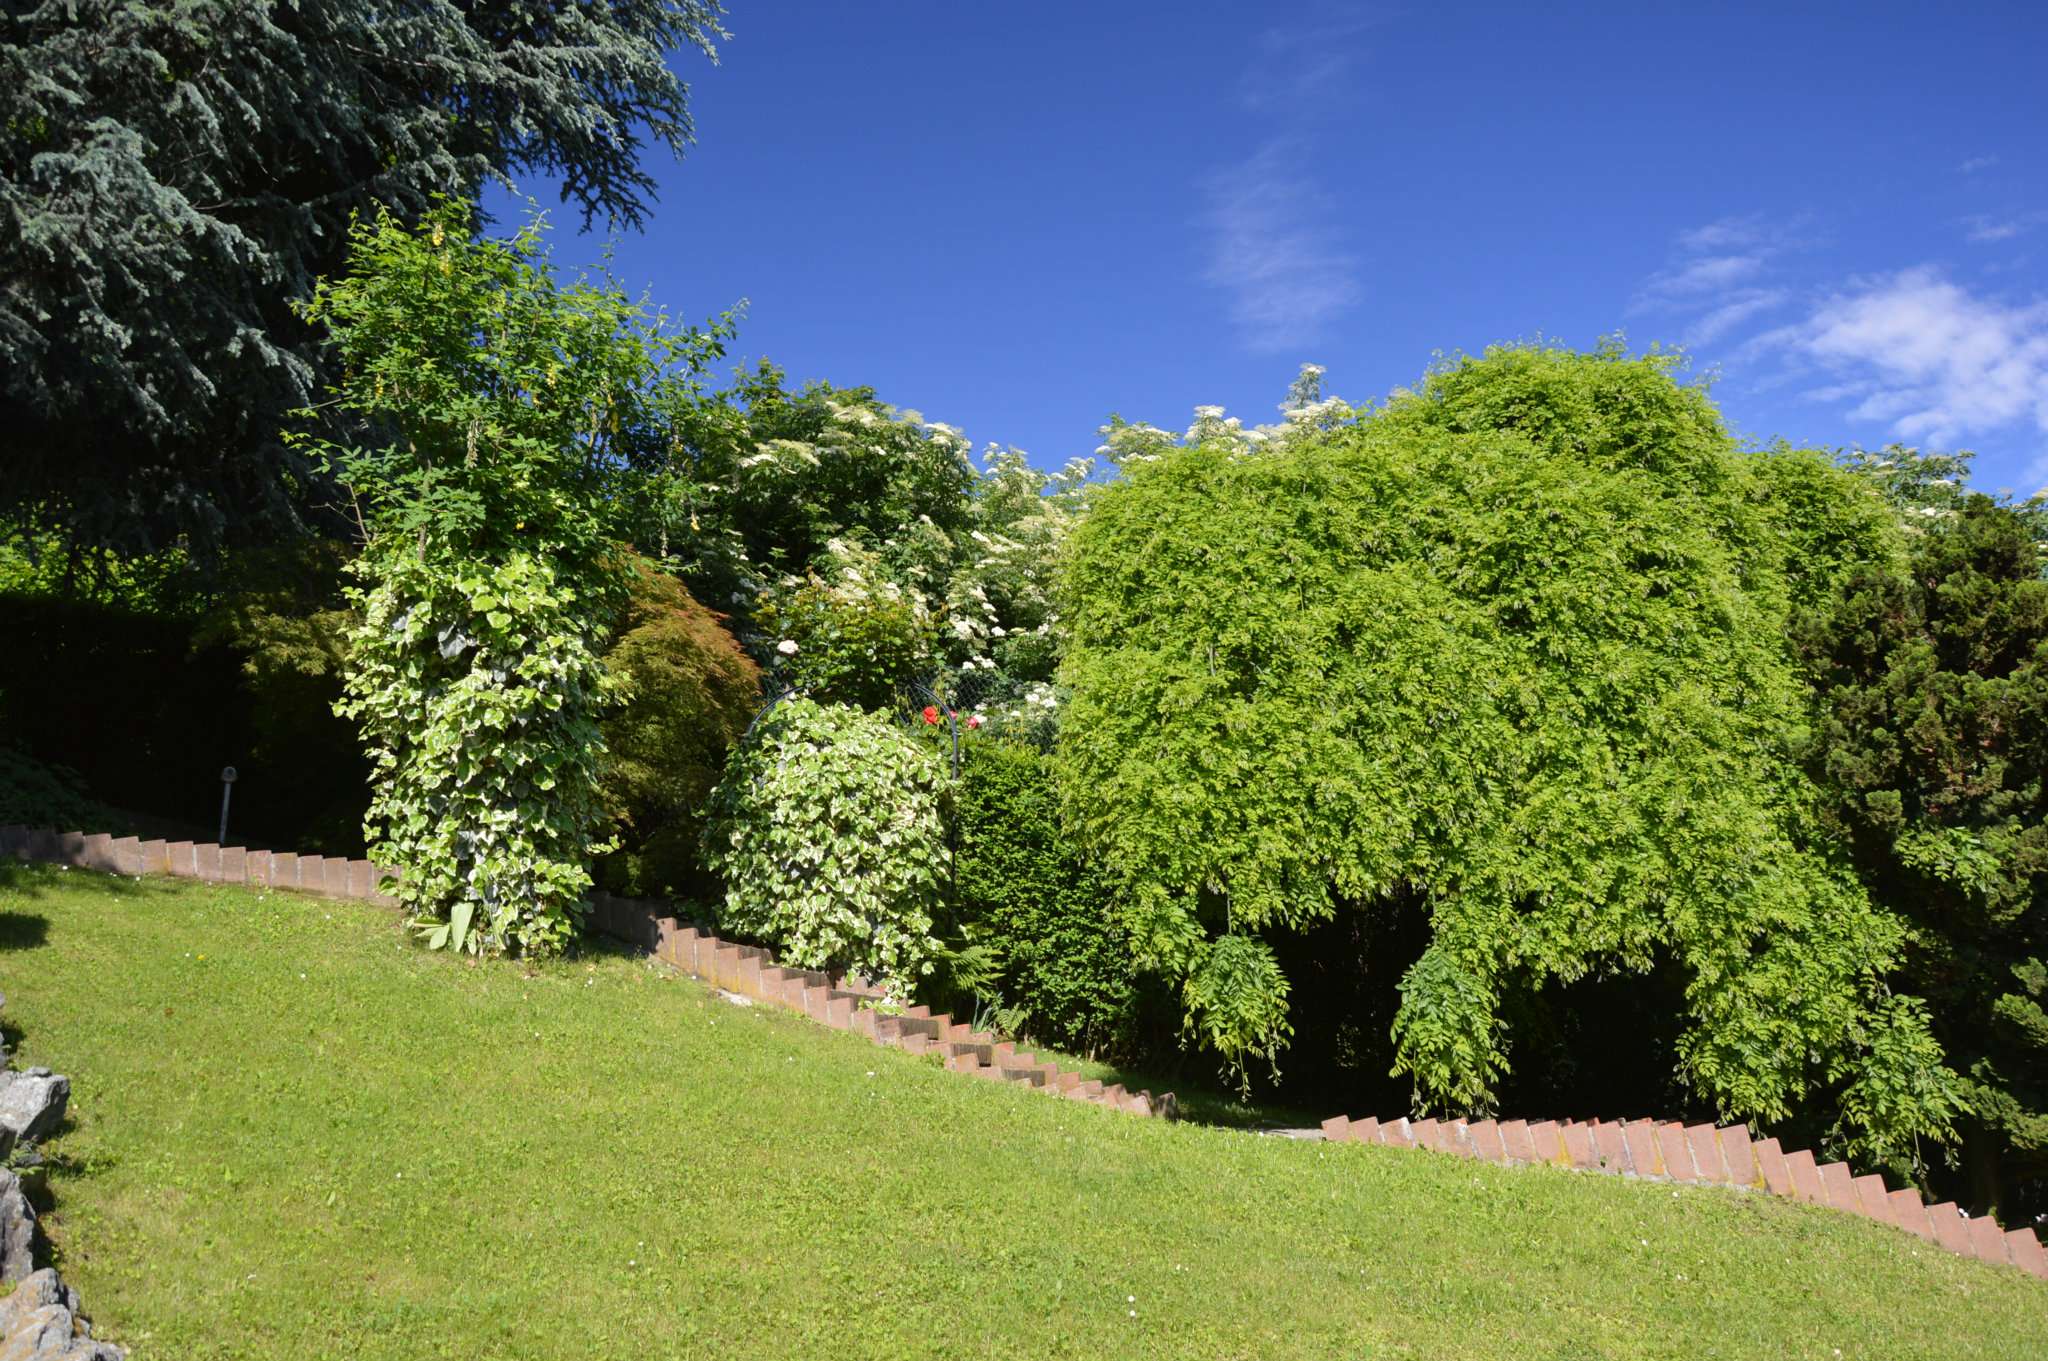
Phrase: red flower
(931, 713)
(974, 720)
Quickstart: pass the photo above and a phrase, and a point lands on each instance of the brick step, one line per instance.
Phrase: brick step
(1668, 1150)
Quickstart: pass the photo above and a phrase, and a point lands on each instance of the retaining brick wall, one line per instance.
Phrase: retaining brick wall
(1718, 1155)
(845, 1002)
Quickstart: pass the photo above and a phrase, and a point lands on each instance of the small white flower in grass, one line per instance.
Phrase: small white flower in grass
(787, 647)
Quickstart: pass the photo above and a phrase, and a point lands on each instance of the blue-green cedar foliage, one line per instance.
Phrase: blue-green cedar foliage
(1514, 647)
(174, 174)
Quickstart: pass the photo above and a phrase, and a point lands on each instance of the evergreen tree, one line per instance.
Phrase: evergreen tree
(174, 175)
(1933, 746)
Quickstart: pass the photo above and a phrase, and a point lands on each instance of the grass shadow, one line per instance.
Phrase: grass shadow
(22, 930)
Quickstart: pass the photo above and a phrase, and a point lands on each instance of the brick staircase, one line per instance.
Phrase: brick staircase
(843, 1002)
(1705, 1154)
(848, 1002)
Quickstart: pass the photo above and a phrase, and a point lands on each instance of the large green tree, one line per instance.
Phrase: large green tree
(1933, 747)
(174, 174)
(1510, 653)
(505, 404)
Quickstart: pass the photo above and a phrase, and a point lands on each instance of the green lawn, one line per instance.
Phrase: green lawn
(297, 1135)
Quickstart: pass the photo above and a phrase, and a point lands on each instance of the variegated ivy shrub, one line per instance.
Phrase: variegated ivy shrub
(827, 831)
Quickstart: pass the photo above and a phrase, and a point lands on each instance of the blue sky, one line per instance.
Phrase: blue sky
(1018, 219)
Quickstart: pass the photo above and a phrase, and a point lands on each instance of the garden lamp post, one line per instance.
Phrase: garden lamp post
(227, 787)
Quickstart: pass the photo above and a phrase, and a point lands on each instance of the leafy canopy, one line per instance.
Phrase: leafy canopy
(175, 176)
(1511, 650)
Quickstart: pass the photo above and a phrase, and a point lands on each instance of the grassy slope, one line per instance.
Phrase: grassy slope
(298, 1136)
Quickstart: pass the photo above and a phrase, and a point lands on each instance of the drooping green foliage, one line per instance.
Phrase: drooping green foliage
(687, 691)
(174, 176)
(1039, 905)
(826, 829)
(1830, 522)
(1933, 750)
(1513, 647)
(506, 400)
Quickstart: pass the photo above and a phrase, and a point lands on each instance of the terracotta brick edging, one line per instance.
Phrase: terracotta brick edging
(332, 877)
(849, 1002)
(1706, 1154)
(842, 1001)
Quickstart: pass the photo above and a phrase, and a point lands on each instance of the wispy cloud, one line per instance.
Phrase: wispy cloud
(1300, 68)
(1926, 357)
(1986, 229)
(1976, 163)
(1274, 248)
(1273, 251)
(1717, 280)
(1732, 314)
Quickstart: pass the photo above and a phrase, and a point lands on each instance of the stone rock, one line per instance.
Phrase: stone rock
(40, 1322)
(37, 1291)
(32, 1103)
(17, 1233)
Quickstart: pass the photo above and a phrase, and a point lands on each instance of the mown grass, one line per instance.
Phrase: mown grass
(297, 1135)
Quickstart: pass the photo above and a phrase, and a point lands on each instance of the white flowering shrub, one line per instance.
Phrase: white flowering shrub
(846, 633)
(1001, 628)
(1305, 413)
(827, 831)
(765, 483)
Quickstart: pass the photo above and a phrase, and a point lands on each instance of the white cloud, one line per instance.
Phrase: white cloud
(1985, 229)
(1706, 274)
(1729, 233)
(1927, 357)
(1976, 163)
(1273, 252)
